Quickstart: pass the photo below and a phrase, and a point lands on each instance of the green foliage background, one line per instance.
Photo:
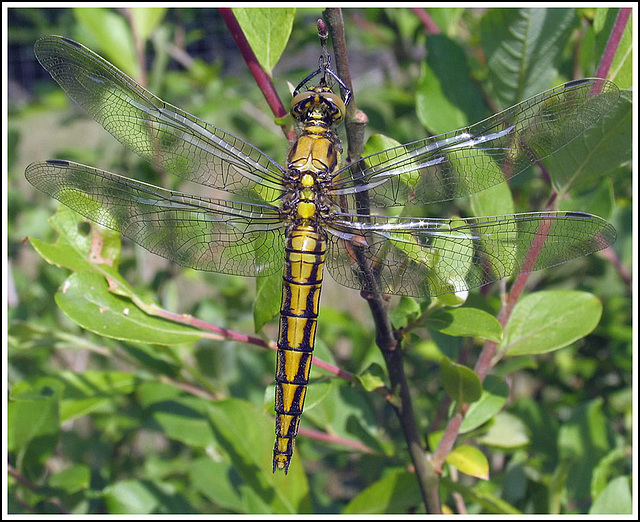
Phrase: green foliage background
(113, 425)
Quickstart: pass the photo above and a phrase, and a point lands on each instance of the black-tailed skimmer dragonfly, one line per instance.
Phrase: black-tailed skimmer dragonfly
(309, 213)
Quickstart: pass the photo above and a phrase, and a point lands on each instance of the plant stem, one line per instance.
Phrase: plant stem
(386, 337)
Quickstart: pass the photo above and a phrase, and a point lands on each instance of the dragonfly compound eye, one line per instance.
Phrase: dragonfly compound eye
(325, 106)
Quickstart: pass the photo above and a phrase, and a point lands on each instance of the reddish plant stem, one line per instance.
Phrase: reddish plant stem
(262, 78)
(614, 41)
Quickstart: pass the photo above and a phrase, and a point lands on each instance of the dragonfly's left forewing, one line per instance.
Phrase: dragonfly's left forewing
(164, 135)
(196, 232)
(431, 257)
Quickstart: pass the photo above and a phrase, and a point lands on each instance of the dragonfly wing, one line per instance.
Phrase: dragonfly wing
(197, 232)
(431, 257)
(162, 134)
(475, 158)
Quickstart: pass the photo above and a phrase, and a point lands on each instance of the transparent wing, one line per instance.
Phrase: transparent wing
(162, 134)
(474, 158)
(431, 257)
(197, 232)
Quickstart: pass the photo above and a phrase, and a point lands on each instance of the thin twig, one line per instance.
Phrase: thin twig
(386, 337)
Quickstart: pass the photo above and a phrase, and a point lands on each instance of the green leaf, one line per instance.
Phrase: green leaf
(466, 322)
(506, 432)
(622, 66)
(88, 391)
(109, 34)
(373, 378)
(582, 442)
(470, 461)
(615, 499)
(75, 247)
(184, 419)
(267, 31)
(72, 479)
(461, 383)
(131, 497)
(146, 19)
(397, 492)
(494, 201)
(523, 49)
(246, 434)
(596, 154)
(495, 392)
(378, 143)
(546, 321)
(407, 310)
(268, 299)
(33, 425)
(214, 480)
(445, 98)
(85, 298)
(343, 411)
(606, 468)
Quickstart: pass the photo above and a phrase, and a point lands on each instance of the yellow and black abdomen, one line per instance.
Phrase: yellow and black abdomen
(311, 160)
(302, 281)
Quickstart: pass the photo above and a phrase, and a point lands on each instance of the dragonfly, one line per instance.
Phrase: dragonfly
(313, 213)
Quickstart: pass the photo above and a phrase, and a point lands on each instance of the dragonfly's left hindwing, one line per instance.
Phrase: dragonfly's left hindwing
(196, 232)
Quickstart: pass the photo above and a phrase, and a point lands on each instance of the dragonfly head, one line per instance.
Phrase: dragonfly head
(318, 104)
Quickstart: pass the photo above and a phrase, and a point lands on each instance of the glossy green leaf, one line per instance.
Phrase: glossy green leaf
(75, 246)
(495, 392)
(545, 321)
(466, 322)
(378, 143)
(461, 383)
(267, 30)
(470, 461)
(85, 298)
